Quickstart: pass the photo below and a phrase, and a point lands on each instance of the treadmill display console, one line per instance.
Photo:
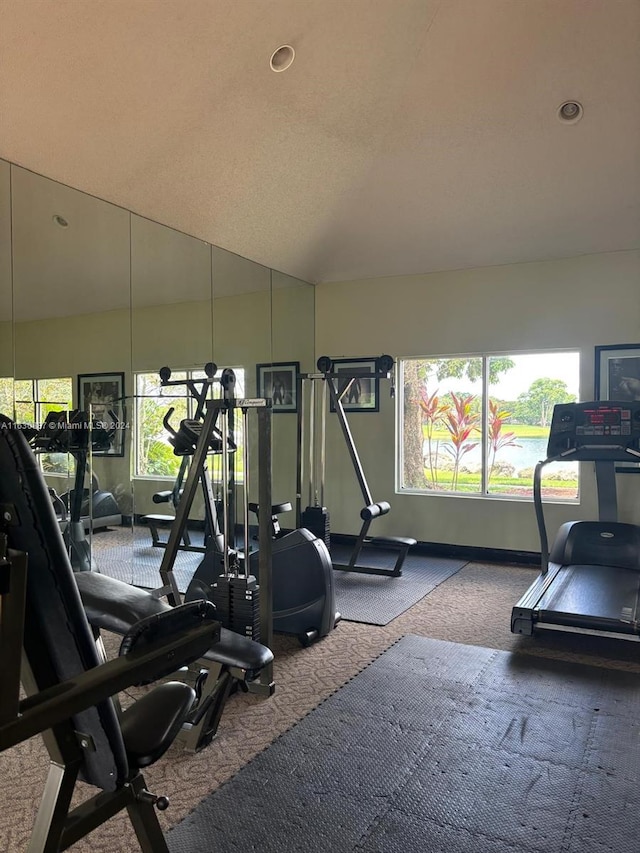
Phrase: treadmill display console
(596, 430)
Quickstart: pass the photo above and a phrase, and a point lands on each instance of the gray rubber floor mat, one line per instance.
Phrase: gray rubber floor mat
(377, 599)
(442, 747)
(138, 563)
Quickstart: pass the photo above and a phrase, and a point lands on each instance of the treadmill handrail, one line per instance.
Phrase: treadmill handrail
(537, 502)
(542, 528)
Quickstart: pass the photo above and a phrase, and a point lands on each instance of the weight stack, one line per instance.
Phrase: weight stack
(245, 606)
(220, 595)
(316, 520)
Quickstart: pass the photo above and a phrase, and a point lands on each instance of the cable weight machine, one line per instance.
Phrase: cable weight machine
(299, 566)
(312, 445)
(243, 605)
(301, 580)
(236, 592)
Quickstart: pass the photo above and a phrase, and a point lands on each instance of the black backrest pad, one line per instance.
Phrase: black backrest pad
(58, 640)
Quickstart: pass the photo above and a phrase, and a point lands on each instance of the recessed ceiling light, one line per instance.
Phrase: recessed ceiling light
(570, 111)
(60, 220)
(282, 57)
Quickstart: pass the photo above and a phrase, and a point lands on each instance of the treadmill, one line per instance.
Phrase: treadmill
(590, 579)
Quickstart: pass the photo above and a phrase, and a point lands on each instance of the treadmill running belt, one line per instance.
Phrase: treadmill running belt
(584, 596)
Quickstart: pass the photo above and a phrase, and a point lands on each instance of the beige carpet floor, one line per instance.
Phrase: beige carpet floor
(472, 607)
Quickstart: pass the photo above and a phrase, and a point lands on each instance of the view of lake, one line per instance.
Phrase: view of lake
(529, 452)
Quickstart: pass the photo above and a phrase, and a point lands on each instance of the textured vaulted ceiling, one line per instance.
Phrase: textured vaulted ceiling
(408, 135)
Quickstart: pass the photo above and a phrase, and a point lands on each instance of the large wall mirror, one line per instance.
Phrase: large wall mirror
(292, 307)
(94, 301)
(71, 319)
(171, 327)
(6, 301)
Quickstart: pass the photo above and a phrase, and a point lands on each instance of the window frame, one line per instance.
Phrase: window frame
(39, 405)
(482, 493)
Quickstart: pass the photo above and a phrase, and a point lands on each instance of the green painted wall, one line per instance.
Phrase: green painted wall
(573, 303)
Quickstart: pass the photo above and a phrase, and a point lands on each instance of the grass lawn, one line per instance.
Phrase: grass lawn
(471, 482)
(520, 431)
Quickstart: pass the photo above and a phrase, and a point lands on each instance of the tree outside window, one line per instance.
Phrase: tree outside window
(154, 453)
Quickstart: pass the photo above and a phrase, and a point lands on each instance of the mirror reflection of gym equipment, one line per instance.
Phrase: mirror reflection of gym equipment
(80, 510)
(374, 555)
(183, 441)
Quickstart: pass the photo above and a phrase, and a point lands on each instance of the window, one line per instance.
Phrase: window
(34, 399)
(478, 425)
(6, 396)
(154, 456)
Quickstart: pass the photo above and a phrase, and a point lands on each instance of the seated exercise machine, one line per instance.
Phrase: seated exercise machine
(590, 579)
(71, 695)
(389, 550)
(116, 606)
(235, 661)
(296, 566)
(232, 662)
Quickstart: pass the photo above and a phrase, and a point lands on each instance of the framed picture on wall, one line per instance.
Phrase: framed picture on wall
(617, 377)
(279, 381)
(102, 394)
(617, 372)
(360, 390)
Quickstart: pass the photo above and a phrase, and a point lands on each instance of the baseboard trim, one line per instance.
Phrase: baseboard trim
(461, 552)
(428, 549)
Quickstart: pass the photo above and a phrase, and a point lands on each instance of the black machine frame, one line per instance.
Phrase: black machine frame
(335, 385)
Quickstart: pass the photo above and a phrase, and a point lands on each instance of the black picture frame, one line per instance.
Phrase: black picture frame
(103, 395)
(617, 372)
(364, 393)
(617, 377)
(278, 380)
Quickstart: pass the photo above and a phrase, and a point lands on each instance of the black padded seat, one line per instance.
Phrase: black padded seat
(153, 722)
(116, 606)
(234, 650)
